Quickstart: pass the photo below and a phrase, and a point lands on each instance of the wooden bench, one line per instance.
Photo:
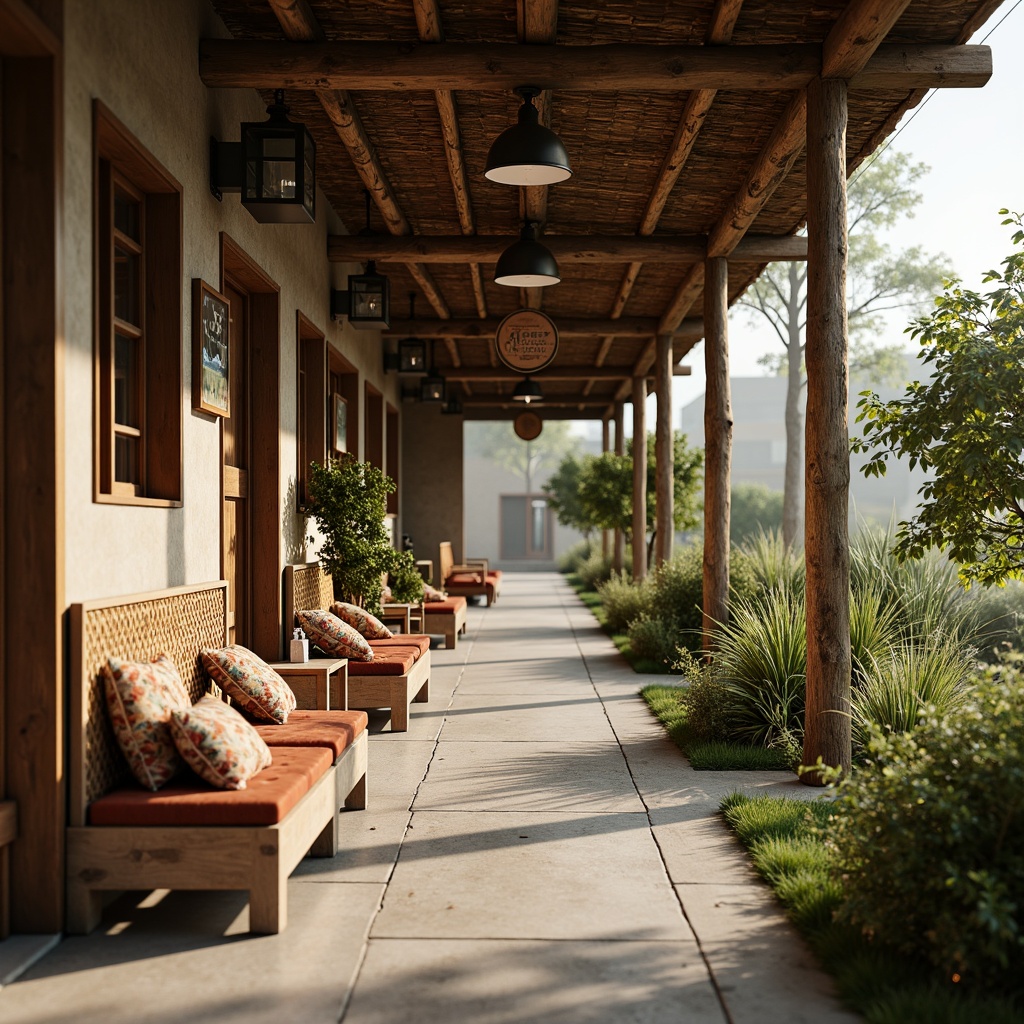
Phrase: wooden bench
(447, 617)
(373, 684)
(473, 578)
(257, 857)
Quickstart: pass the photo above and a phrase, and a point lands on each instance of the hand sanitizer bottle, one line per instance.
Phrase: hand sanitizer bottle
(300, 647)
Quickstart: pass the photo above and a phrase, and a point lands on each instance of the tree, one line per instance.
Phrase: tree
(881, 193)
(965, 425)
(563, 494)
(754, 507)
(606, 489)
(496, 440)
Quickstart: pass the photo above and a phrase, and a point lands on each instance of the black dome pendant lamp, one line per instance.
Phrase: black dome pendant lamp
(527, 391)
(527, 153)
(527, 263)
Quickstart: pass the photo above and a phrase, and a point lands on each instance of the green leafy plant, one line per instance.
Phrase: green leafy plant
(406, 582)
(653, 639)
(623, 600)
(705, 700)
(348, 500)
(570, 560)
(929, 844)
(774, 563)
(594, 570)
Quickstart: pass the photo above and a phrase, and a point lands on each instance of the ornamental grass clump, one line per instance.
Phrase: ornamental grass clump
(623, 601)
(928, 837)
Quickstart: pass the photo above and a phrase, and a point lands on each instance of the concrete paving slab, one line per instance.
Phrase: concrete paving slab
(503, 982)
(500, 717)
(525, 875)
(698, 848)
(189, 958)
(571, 776)
(753, 950)
(369, 848)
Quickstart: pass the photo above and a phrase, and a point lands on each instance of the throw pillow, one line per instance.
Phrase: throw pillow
(365, 624)
(140, 698)
(218, 744)
(333, 636)
(432, 593)
(249, 681)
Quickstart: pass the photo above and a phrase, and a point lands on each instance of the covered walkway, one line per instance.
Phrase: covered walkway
(535, 850)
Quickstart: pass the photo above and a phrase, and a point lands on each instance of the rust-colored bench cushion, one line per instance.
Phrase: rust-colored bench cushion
(419, 641)
(266, 800)
(335, 731)
(387, 661)
(448, 605)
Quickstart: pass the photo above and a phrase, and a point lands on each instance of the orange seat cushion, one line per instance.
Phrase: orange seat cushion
(266, 800)
(387, 661)
(336, 731)
(418, 640)
(447, 606)
(464, 579)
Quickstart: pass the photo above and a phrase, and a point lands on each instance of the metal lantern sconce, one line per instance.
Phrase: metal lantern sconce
(453, 407)
(367, 302)
(273, 167)
(433, 387)
(527, 391)
(527, 153)
(411, 356)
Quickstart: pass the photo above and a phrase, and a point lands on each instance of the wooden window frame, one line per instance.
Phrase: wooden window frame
(311, 421)
(122, 164)
(392, 455)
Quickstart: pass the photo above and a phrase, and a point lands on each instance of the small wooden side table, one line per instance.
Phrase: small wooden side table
(320, 684)
(402, 618)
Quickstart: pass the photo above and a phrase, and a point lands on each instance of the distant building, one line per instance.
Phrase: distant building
(759, 447)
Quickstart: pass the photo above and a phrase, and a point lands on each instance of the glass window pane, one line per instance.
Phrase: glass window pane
(537, 524)
(279, 148)
(126, 459)
(126, 381)
(126, 215)
(278, 179)
(126, 286)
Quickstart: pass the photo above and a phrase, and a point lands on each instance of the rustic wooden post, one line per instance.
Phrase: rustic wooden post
(717, 445)
(619, 540)
(639, 478)
(827, 466)
(606, 539)
(664, 451)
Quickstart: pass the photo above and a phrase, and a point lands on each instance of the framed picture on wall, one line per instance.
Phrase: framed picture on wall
(211, 345)
(340, 424)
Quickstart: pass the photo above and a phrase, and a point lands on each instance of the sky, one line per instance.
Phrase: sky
(972, 140)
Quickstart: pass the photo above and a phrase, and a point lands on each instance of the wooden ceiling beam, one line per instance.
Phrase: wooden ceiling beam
(617, 67)
(560, 372)
(856, 35)
(431, 30)
(565, 248)
(301, 27)
(552, 401)
(568, 327)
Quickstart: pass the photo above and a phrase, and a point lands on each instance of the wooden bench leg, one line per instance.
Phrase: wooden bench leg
(423, 694)
(84, 908)
(356, 799)
(449, 637)
(268, 897)
(328, 842)
(399, 712)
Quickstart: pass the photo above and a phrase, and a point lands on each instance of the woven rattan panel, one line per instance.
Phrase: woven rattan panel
(311, 588)
(178, 625)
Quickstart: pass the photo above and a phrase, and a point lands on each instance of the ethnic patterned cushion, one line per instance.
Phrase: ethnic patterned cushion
(218, 744)
(365, 624)
(432, 593)
(250, 682)
(140, 697)
(333, 636)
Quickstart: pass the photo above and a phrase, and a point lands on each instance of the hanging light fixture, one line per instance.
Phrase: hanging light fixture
(527, 153)
(453, 407)
(274, 167)
(433, 386)
(367, 302)
(526, 263)
(411, 356)
(527, 391)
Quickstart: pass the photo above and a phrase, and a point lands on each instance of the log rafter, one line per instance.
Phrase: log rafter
(690, 330)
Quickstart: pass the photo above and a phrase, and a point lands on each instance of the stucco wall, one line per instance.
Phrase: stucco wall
(140, 59)
(431, 481)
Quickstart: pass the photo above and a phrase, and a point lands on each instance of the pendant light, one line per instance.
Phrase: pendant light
(527, 391)
(527, 153)
(433, 386)
(526, 263)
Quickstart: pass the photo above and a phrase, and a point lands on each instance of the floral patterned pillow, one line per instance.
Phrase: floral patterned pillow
(333, 636)
(218, 744)
(140, 698)
(365, 624)
(250, 682)
(433, 594)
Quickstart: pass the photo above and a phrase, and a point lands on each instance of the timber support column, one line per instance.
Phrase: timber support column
(717, 445)
(606, 538)
(639, 478)
(664, 452)
(619, 539)
(827, 466)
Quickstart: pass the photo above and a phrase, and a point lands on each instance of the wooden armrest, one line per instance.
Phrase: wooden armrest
(475, 570)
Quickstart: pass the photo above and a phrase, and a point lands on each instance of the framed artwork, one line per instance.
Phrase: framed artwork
(340, 424)
(211, 344)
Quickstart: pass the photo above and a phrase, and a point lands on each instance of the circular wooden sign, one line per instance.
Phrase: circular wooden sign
(528, 426)
(526, 340)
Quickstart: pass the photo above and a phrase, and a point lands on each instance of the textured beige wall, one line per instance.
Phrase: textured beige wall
(140, 59)
(431, 483)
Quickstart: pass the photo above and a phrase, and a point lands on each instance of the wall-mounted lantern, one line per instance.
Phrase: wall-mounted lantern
(273, 167)
(367, 303)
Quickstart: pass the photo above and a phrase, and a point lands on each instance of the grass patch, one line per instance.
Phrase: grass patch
(786, 841)
(715, 756)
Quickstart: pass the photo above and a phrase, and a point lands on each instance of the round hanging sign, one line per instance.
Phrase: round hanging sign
(528, 426)
(526, 340)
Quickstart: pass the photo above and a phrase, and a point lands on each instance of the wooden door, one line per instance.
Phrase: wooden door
(235, 450)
